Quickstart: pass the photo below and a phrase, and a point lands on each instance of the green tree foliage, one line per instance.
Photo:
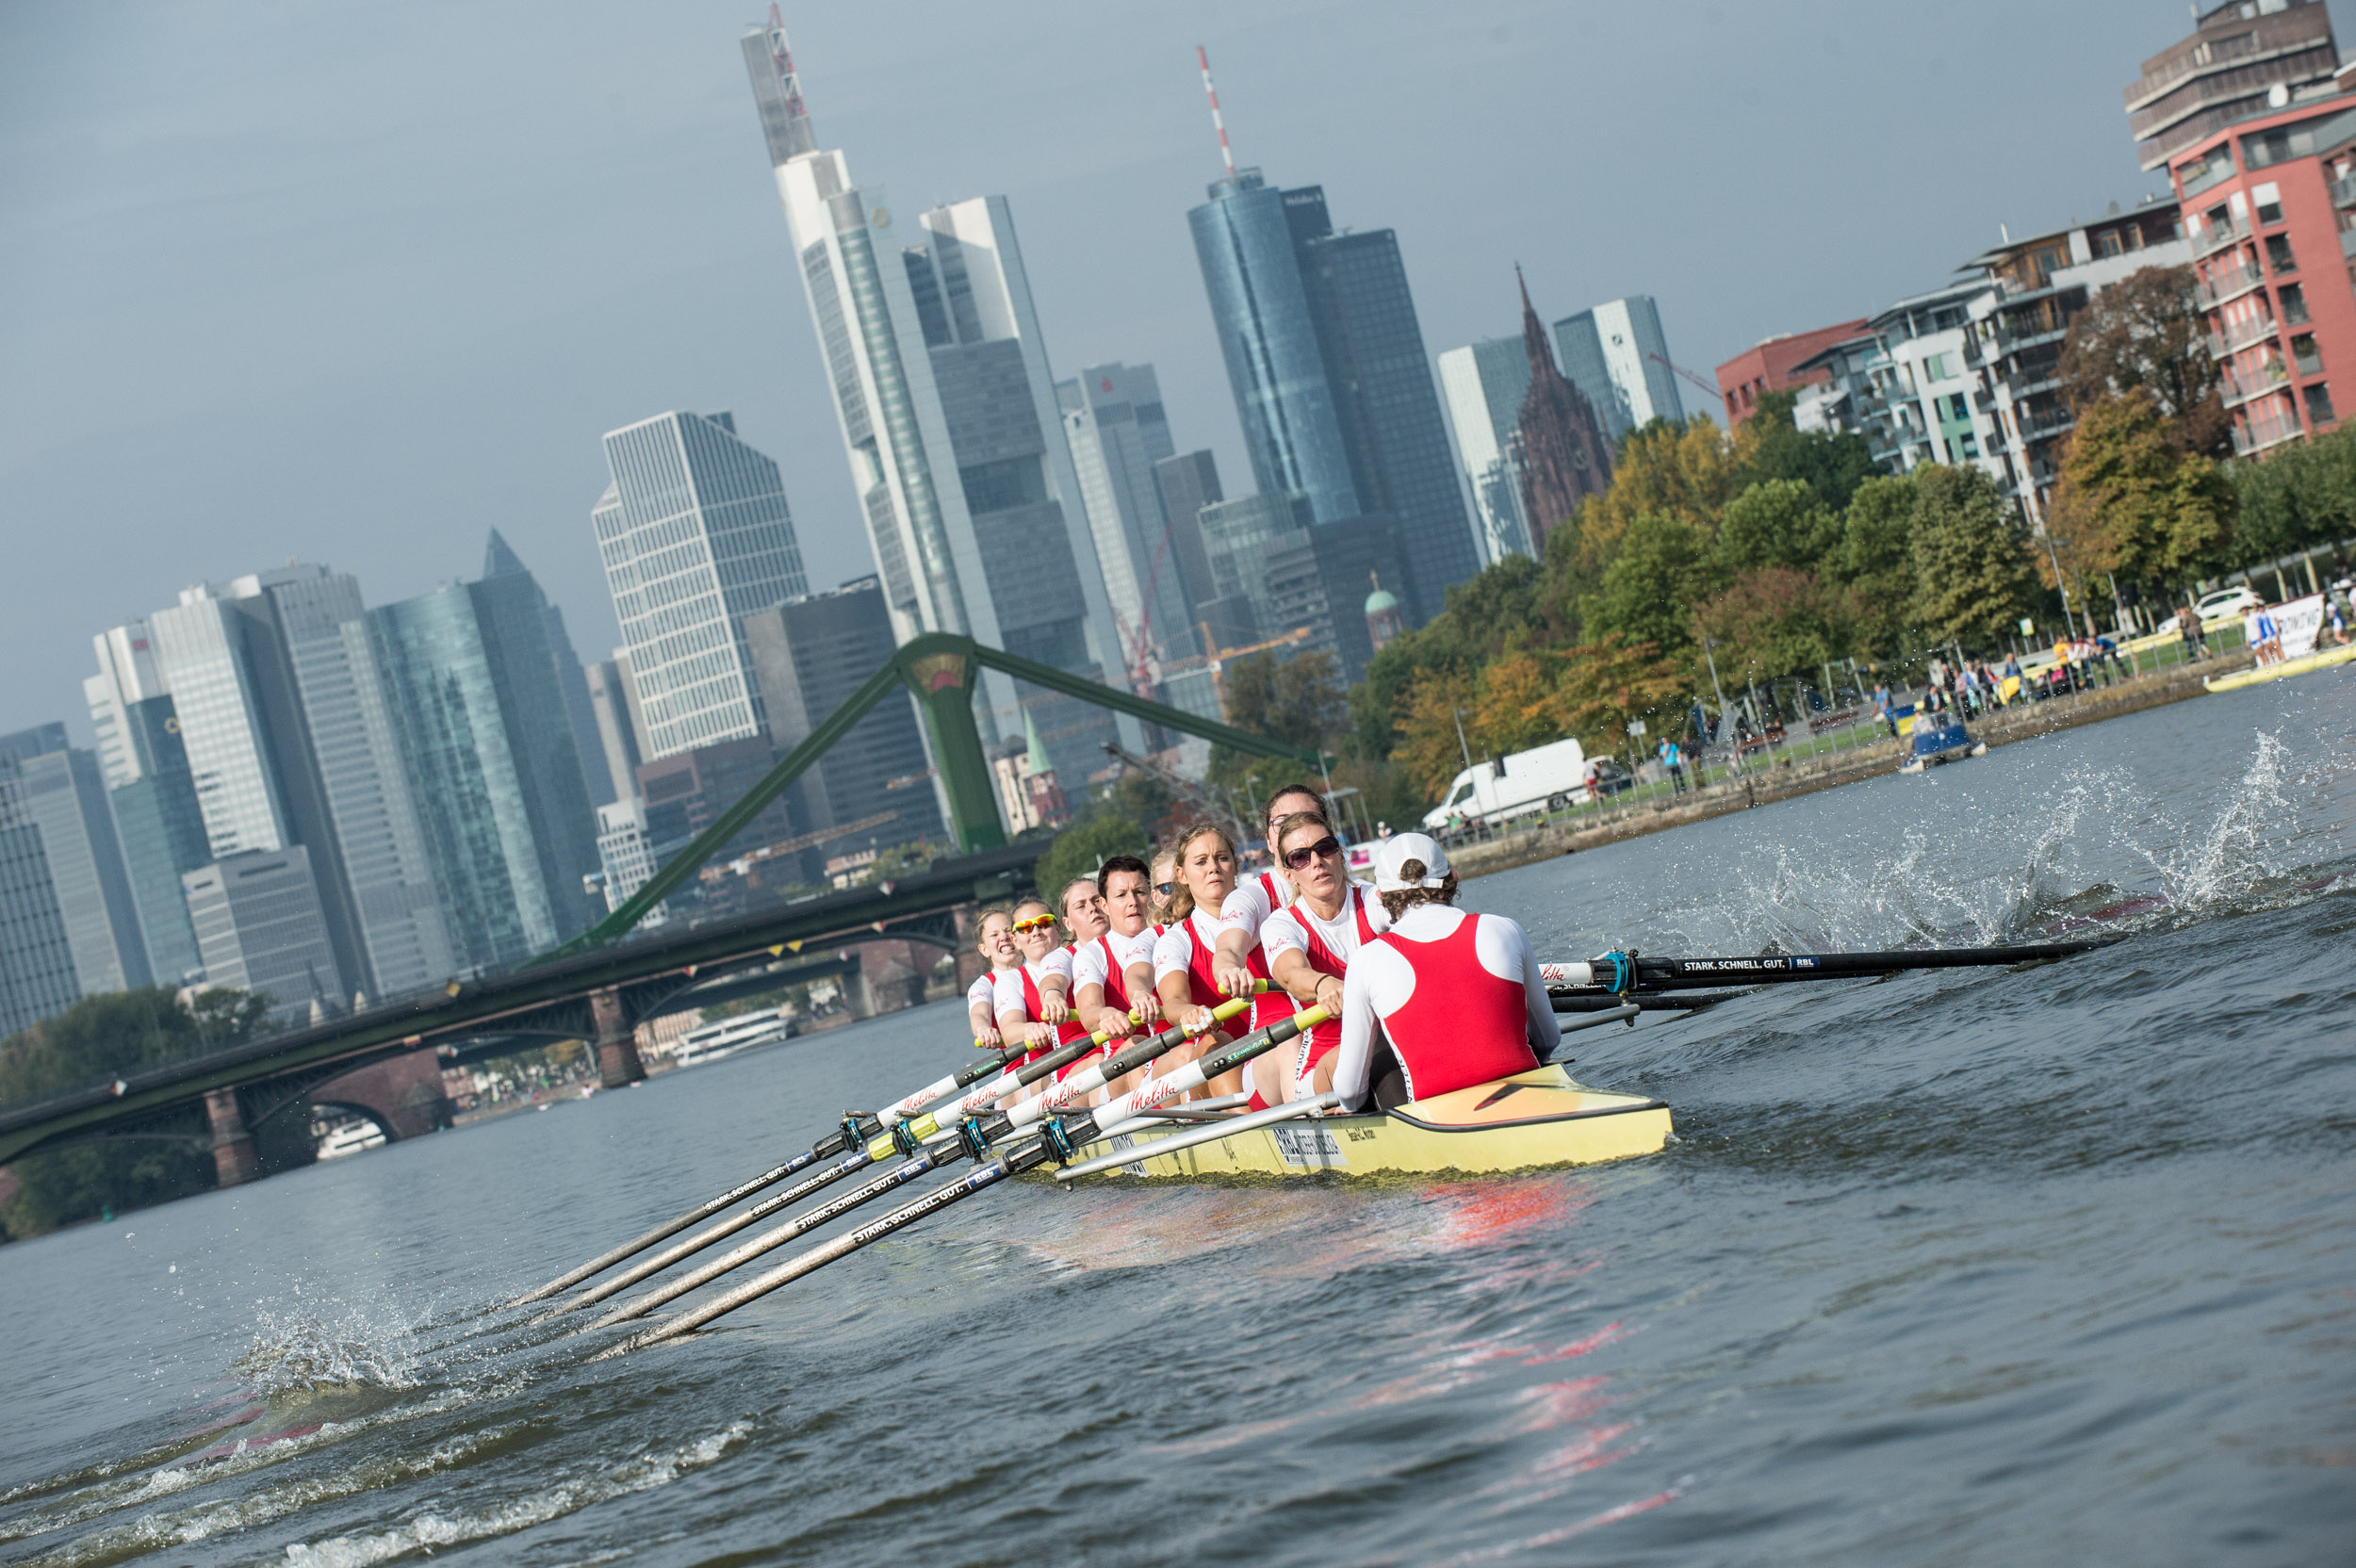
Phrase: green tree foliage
(1778, 522)
(1298, 701)
(2299, 496)
(1777, 621)
(1666, 564)
(2132, 503)
(1876, 563)
(2145, 332)
(1608, 682)
(1663, 468)
(1769, 447)
(1078, 851)
(1515, 603)
(1973, 577)
(99, 1036)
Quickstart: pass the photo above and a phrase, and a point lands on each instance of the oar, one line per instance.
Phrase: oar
(856, 1131)
(1056, 1140)
(1227, 1127)
(937, 1147)
(1619, 974)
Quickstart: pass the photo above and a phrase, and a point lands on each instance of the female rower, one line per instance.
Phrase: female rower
(1164, 889)
(1041, 989)
(1112, 972)
(1184, 951)
(1457, 995)
(1309, 944)
(1293, 799)
(1239, 959)
(986, 1000)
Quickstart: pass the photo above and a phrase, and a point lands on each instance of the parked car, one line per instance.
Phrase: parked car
(2237, 600)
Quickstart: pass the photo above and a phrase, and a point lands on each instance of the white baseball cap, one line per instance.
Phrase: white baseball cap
(1399, 848)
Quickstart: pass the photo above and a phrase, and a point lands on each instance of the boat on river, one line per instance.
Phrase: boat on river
(1940, 738)
(1528, 1122)
(2323, 659)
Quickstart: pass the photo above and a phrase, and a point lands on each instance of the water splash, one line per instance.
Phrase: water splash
(307, 1347)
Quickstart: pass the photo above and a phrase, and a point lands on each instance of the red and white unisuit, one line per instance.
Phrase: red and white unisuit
(1329, 946)
(1106, 962)
(1018, 994)
(1188, 947)
(1457, 995)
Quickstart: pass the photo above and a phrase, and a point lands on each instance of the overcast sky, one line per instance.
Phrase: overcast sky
(356, 284)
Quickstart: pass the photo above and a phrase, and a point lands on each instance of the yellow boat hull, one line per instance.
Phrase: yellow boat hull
(1530, 1121)
(2323, 659)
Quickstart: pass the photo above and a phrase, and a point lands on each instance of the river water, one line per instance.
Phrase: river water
(1981, 1267)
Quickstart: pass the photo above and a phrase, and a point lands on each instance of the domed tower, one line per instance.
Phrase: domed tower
(1384, 619)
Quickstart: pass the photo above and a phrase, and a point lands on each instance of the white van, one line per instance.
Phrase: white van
(1523, 784)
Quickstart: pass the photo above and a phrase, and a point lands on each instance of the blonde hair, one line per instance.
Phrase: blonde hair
(1164, 861)
(1182, 896)
(1063, 899)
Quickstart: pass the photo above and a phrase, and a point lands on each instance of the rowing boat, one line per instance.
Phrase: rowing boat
(2323, 659)
(1530, 1120)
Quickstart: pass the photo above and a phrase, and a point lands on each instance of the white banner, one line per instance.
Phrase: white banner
(2280, 631)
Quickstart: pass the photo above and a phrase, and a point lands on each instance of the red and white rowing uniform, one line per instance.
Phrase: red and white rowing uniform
(1457, 993)
(1019, 993)
(1247, 909)
(1188, 947)
(1106, 962)
(1328, 946)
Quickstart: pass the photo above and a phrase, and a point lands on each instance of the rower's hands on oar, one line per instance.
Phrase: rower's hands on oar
(1039, 1036)
(1147, 1011)
(990, 1040)
(1198, 1020)
(1051, 1007)
(1233, 979)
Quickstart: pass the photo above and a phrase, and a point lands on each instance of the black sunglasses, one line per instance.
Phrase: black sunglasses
(1298, 858)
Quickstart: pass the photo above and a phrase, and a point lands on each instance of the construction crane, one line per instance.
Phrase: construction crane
(1709, 387)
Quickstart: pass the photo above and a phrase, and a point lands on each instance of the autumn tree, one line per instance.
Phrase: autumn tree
(2300, 496)
(1613, 681)
(1298, 701)
(1431, 749)
(1666, 564)
(1514, 705)
(1970, 551)
(1776, 621)
(1665, 468)
(2132, 504)
(2145, 330)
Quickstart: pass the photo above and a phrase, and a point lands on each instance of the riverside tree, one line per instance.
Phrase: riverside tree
(1970, 551)
(2133, 505)
(2145, 332)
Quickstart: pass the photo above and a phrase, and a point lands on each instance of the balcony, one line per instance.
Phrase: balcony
(2309, 365)
(2237, 387)
(2257, 329)
(2215, 236)
(2260, 433)
(2228, 283)
(2046, 425)
(2344, 192)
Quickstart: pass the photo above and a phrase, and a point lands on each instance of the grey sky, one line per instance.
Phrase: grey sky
(358, 283)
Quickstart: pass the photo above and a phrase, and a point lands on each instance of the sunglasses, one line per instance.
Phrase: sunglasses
(1036, 922)
(1298, 858)
(1164, 889)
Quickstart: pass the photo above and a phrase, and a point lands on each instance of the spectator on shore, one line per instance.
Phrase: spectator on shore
(1881, 708)
(1672, 757)
(2336, 617)
(2188, 628)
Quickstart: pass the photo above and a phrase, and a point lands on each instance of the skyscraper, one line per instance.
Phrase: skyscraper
(1188, 483)
(163, 836)
(1484, 384)
(694, 533)
(949, 418)
(500, 560)
(1617, 357)
(260, 929)
(1114, 421)
(64, 796)
(37, 975)
(1325, 357)
(617, 736)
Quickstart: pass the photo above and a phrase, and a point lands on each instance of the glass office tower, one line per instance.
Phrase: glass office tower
(1484, 384)
(37, 975)
(1114, 421)
(1618, 357)
(163, 836)
(694, 532)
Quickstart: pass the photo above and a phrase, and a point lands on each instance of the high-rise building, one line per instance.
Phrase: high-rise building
(809, 655)
(473, 802)
(694, 533)
(1617, 357)
(1559, 442)
(1114, 421)
(626, 857)
(260, 928)
(1484, 384)
(1188, 483)
(65, 797)
(949, 418)
(1321, 584)
(2242, 59)
(1239, 536)
(163, 835)
(500, 560)
(1326, 360)
(617, 732)
(37, 973)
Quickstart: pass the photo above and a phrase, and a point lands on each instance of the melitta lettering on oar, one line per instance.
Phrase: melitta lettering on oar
(880, 1132)
(1621, 974)
(1056, 1141)
(933, 1146)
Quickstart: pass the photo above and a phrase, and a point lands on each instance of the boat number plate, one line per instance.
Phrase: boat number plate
(1307, 1148)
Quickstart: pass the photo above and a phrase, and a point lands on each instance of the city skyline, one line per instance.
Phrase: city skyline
(202, 485)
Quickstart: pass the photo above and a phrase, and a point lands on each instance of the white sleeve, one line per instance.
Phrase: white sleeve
(1377, 916)
(1058, 962)
(1245, 910)
(1282, 933)
(1138, 949)
(1172, 950)
(1008, 986)
(1354, 1063)
(982, 991)
(1545, 1031)
(1087, 967)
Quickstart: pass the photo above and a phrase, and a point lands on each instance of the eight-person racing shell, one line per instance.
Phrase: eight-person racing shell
(1458, 996)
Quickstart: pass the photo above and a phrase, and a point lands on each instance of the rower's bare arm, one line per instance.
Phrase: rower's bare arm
(1229, 966)
(1053, 1007)
(1095, 1016)
(1178, 1001)
(1148, 1006)
(985, 1027)
(1292, 970)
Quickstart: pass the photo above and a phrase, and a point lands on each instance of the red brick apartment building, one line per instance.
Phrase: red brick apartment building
(2270, 207)
(1773, 366)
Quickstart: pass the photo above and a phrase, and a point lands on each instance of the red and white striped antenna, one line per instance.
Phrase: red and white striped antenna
(782, 57)
(1216, 123)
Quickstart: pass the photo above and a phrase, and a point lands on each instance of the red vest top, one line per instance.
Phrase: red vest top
(1462, 1026)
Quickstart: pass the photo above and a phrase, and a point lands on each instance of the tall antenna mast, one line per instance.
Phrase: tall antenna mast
(783, 57)
(1216, 123)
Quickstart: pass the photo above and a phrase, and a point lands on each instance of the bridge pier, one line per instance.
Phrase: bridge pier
(234, 1160)
(617, 1042)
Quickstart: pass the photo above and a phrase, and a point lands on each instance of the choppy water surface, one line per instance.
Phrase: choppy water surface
(2057, 1264)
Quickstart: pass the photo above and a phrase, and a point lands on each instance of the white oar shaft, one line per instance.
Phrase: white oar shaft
(1194, 1137)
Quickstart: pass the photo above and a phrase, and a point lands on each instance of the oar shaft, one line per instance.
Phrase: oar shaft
(1655, 974)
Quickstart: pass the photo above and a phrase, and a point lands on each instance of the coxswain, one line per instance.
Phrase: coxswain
(1308, 945)
(1112, 972)
(1456, 994)
(1184, 951)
